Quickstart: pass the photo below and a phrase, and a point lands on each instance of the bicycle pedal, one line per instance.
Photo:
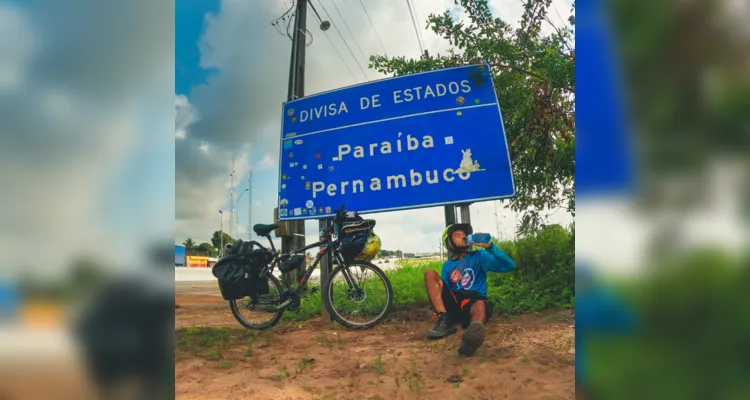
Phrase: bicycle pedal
(284, 304)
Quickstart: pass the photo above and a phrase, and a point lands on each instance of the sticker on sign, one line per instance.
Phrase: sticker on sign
(414, 141)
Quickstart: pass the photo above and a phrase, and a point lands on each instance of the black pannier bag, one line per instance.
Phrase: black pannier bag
(354, 235)
(238, 273)
(352, 244)
(294, 262)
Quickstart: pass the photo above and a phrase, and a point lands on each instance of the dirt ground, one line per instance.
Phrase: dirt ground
(526, 357)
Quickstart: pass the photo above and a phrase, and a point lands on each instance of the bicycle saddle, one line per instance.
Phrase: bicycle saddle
(263, 229)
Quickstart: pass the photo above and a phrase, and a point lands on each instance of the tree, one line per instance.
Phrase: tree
(189, 244)
(216, 239)
(534, 77)
(208, 248)
(386, 253)
(684, 67)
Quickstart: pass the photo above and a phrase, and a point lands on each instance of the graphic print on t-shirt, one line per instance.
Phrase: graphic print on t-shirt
(467, 279)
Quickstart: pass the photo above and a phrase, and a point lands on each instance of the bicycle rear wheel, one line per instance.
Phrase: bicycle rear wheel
(358, 295)
(261, 315)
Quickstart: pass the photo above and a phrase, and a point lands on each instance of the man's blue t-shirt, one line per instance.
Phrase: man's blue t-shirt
(470, 272)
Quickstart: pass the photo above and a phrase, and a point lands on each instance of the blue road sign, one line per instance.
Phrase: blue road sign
(604, 148)
(414, 141)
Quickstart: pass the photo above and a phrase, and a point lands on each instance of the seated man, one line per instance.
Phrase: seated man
(460, 295)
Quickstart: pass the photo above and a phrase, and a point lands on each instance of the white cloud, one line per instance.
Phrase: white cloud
(72, 115)
(19, 43)
(268, 162)
(185, 114)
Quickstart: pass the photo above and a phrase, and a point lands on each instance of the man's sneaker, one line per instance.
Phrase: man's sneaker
(472, 339)
(442, 328)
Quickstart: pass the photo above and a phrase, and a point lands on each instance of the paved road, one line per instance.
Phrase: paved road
(202, 281)
(196, 287)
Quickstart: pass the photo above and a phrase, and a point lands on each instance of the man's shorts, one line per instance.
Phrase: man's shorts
(458, 305)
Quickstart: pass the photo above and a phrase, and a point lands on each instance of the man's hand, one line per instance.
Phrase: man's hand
(483, 245)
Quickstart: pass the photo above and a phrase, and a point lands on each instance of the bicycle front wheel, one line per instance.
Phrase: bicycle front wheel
(358, 295)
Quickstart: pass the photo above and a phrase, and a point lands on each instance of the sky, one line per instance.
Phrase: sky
(231, 74)
(82, 100)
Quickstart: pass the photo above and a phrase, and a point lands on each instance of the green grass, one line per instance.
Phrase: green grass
(379, 365)
(692, 321)
(212, 343)
(544, 278)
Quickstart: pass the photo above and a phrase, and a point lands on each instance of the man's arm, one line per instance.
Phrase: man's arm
(495, 260)
(445, 272)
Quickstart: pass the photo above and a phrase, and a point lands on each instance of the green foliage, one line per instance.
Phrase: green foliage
(533, 286)
(694, 321)
(684, 69)
(208, 248)
(216, 239)
(189, 244)
(544, 278)
(390, 253)
(545, 272)
(534, 77)
(671, 101)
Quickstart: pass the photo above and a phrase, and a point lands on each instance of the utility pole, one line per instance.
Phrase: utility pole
(250, 206)
(231, 198)
(237, 221)
(296, 234)
(296, 90)
(221, 234)
(497, 221)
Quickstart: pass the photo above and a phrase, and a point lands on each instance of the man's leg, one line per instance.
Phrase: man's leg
(436, 291)
(478, 312)
(434, 285)
(474, 335)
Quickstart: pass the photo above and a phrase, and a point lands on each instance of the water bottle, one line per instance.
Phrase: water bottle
(479, 238)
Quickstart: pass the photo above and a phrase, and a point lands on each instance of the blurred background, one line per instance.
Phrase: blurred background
(87, 194)
(663, 196)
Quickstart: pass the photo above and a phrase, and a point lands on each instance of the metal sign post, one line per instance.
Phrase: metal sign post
(326, 263)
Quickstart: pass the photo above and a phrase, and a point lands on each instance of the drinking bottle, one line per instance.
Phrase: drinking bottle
(479, 238)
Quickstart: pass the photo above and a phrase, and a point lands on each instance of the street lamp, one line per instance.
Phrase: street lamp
(324, 25)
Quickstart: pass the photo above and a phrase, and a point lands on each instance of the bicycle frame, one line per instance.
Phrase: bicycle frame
(326, 245)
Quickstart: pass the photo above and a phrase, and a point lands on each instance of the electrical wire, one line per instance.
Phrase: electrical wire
(419, 41)
(344, 40)
(373, 28)
(416, 20)
(275, 23)
(341, 57)
(349, 30)
(288, 24)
